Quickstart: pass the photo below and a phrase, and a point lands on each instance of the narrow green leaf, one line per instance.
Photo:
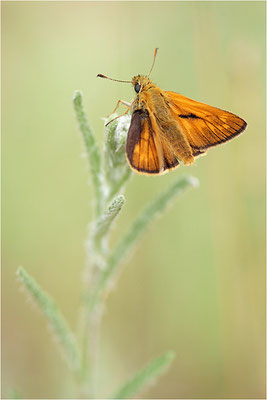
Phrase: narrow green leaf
(130, 239)
(56, 320)
(104, 224)
(143, 378)
(93, 153)
(155, 209)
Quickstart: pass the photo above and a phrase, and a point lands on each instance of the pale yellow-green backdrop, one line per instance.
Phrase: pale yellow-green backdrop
(196, 283)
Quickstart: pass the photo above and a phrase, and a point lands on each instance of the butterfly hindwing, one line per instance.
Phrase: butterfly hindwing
(145, 153)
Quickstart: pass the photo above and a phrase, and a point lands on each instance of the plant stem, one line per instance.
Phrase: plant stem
(116, 188)
(90, 352)
(97, 248)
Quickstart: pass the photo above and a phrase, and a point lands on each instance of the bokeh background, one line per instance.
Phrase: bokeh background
(196, 283)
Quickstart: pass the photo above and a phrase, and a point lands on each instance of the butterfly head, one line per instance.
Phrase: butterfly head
(140, 82)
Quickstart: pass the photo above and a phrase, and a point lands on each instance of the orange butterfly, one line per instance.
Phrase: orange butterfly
(168, 128)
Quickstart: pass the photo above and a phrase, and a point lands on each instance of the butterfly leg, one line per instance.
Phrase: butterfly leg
(124, 103)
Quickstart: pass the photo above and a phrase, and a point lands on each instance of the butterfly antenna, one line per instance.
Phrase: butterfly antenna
(116, 80)
(155, 53)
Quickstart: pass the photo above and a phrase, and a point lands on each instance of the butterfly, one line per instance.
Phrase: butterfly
(168, 128)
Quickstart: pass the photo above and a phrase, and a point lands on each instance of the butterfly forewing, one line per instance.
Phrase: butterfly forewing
(204, 126)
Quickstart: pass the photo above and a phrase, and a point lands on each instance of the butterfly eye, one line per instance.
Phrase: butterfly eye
(137, 87)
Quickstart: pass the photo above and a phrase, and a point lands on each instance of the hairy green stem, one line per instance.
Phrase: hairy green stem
(118, 186)
(91, 318)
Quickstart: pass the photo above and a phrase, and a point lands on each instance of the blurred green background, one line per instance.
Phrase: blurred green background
(196, 283)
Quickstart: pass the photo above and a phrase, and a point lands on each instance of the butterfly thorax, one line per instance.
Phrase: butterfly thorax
(146, 91)
(148, 96)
